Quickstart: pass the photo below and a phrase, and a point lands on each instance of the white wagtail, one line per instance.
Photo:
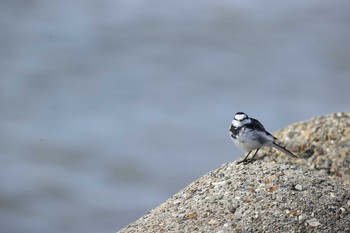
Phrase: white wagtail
(249, 134)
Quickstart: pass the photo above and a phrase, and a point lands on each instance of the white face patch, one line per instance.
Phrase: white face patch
(240, 117)
(236, 123)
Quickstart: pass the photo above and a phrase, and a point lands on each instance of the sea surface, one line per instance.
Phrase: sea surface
(108, 108)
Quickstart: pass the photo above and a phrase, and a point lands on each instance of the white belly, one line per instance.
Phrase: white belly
(251, 140)
(246, 144)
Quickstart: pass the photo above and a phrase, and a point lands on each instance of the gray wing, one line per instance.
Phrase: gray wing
(256, 125)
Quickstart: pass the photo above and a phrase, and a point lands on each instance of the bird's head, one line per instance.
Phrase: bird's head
(240, 119)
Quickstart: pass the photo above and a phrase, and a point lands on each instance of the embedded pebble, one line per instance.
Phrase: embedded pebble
(298, 187)
(313, 222)
(213, 222)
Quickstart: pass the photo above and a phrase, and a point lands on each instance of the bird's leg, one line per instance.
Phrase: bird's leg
(252, 159)
(245, 159)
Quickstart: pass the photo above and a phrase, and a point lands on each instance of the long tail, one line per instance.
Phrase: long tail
(284, 150)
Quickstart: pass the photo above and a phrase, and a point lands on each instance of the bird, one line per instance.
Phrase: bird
(248, 134)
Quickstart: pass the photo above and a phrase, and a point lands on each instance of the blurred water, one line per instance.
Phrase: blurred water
(107, 108)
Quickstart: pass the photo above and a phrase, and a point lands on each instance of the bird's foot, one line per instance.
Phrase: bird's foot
(246, 161)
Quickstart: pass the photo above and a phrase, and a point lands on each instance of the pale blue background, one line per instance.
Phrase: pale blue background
(108, 108)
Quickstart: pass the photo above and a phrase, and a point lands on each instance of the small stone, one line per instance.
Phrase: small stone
(271, 177)
(176, 202)
(192, 215)
(346, 132)
(280, 173)
(266, 181)
(342, 210)
(256, 215)
(213, 222)
(300, 217)
(298, 187)
(305, 134)
(246, 199)
(272, 189)
(313, 222)
(292, 213)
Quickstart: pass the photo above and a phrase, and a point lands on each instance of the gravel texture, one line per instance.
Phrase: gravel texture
(272, 195)
(323, 143)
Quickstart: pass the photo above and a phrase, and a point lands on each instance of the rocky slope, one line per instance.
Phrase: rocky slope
(274, 194)
(322, 142)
